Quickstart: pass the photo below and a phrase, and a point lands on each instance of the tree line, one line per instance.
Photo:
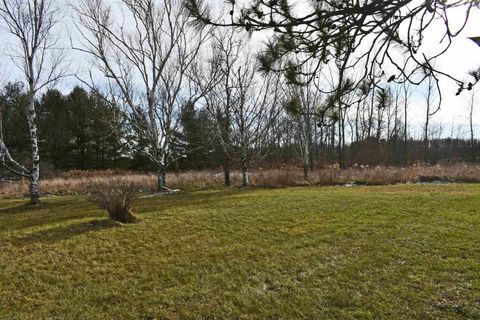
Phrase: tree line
(84, 130)
(173, 90)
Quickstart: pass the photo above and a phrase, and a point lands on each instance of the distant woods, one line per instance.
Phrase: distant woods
(84, 130)
(76, 128)
(163, 87)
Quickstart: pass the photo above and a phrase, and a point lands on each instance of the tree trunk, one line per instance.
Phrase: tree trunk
(320, 147)
(332, 142)
(344, 165)
(226, 159)
(245, 176)
(226, 172)
(425, 133)
(378, 135)
(177, 169)
(405, 129)
(315, 146)
(395, 129)
(1, 123)
(357, 117)
(472, 141)
(340, 151)
(425, 141)
(161, 178)
(35, 155)
(427, 120)
(370, 115)
(310, 145)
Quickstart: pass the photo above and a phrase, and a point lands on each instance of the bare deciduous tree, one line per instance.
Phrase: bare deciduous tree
(31, 23)
(407, 93)
(146, 58)
(302, 108)
(243, 105)
(471, 110)
(431, 90)
(255, 109)
(225, 55)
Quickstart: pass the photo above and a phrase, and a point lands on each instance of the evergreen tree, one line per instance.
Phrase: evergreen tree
(14, 126)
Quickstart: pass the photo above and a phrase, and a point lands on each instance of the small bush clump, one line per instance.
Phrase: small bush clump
(116, 196)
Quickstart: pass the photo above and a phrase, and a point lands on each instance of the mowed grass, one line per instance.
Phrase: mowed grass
(392, 252)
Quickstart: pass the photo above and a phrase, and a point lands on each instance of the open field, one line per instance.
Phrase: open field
(77, 182)
(389, 252)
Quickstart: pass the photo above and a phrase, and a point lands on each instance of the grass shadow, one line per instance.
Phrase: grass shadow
(53, 235)
(19, 209)
(24, 216)
(25, 207)
(184, 199)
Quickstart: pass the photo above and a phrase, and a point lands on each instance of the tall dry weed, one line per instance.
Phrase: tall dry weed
(77, 182)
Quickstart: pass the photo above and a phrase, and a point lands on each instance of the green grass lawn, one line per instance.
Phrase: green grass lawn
(395, 252)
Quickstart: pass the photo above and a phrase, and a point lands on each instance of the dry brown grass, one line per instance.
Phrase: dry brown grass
(77, 182)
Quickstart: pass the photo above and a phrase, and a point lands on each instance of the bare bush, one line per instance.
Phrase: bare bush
(115, 195)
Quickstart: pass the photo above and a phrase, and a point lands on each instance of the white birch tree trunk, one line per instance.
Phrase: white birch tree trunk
(35, 154)
(245, 174)
(32, 24)
(161, 177)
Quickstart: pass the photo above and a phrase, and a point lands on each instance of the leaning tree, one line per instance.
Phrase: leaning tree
(31, 24)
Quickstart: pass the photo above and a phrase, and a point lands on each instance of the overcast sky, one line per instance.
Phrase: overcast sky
(463, 56)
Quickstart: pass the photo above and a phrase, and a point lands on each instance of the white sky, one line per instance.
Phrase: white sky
(463, 56)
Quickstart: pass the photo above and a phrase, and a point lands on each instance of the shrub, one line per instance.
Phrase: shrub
(116, 196)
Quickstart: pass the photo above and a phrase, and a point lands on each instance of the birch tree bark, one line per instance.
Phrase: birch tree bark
(36, 53)
(146, 58)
